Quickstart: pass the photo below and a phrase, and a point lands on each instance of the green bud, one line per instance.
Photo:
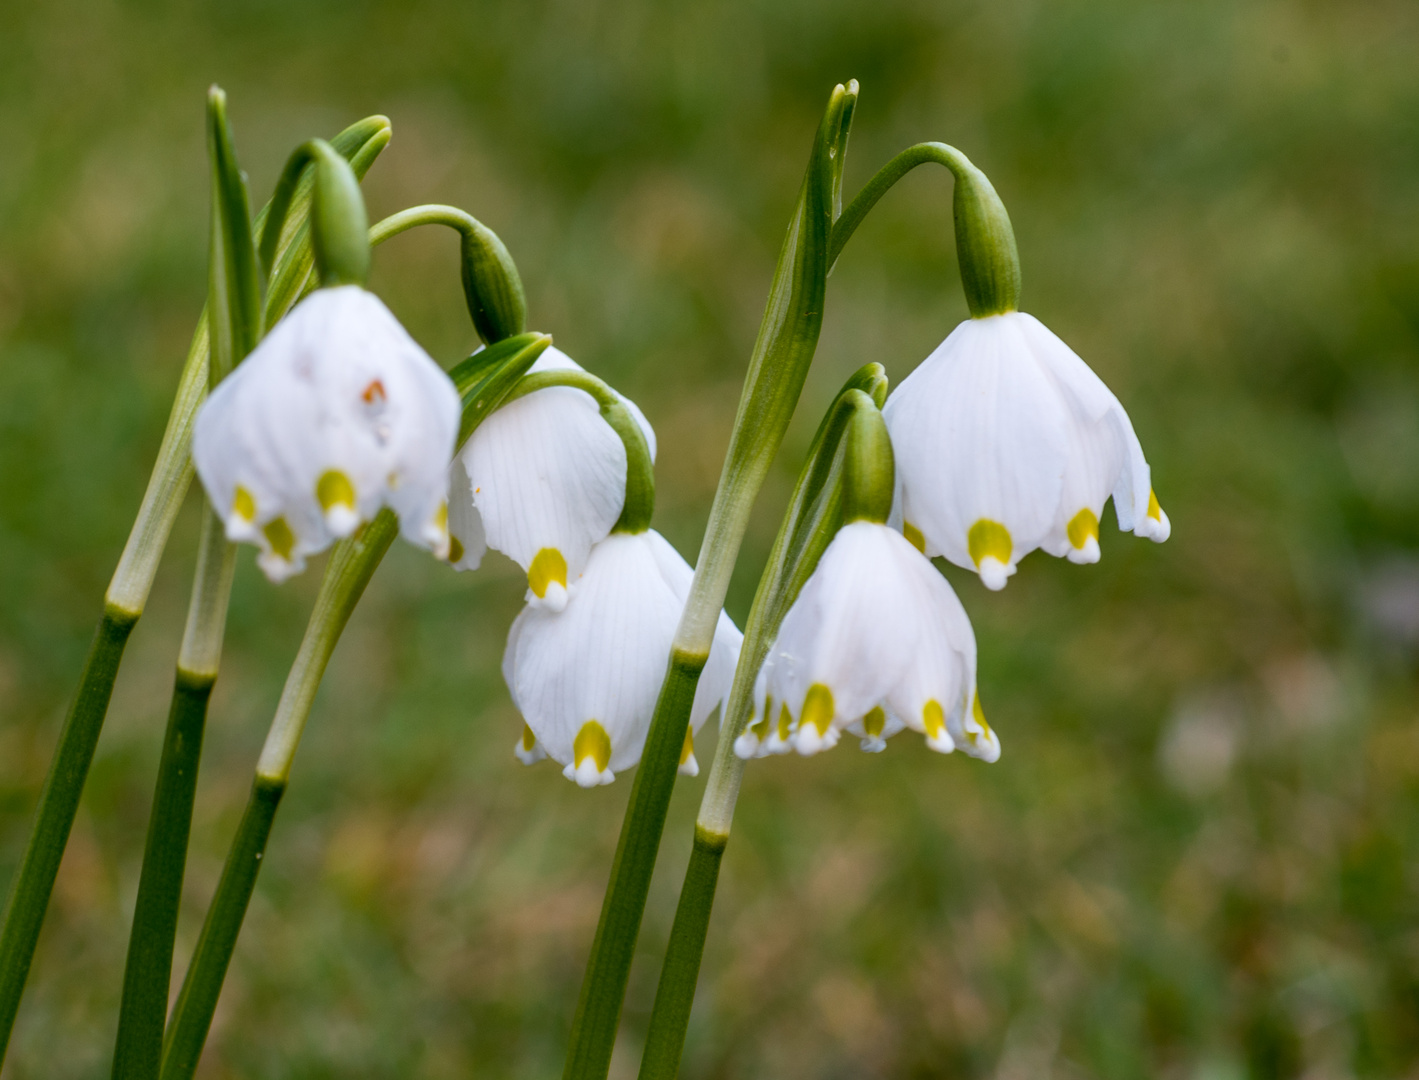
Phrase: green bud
(339, 225)
(340, 228)
(985, 242)
(491, 285)
(867, 462)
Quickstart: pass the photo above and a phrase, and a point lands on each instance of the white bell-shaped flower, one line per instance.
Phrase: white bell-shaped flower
(542, 480)
(876, 642)
(336, 413)
(586, 678)
(1006, 441)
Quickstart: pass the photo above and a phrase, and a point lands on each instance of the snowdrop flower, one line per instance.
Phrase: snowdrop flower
(541, 480)
(1005, 442)
(586, 679)
(336, 413)
(876, 642)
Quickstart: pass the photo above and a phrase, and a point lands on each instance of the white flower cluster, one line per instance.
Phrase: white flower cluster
(543, 480)
(338, 412)
(1004, 441)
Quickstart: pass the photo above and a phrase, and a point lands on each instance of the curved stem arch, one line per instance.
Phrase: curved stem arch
(491, 284)
(985, 240)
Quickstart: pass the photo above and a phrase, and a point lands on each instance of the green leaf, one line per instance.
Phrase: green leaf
(233, 284)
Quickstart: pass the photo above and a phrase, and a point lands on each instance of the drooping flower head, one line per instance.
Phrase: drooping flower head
(542, 480)
(586, 678)
(876, 642)
(336, 413)
(1006, 441)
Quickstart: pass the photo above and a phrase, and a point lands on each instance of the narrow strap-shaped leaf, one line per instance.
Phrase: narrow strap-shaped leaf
(233, 284)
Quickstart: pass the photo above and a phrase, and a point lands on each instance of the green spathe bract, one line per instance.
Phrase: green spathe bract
(778, 366)
(492, 287)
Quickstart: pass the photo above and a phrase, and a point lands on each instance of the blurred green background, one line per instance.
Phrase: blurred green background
(1199, 854)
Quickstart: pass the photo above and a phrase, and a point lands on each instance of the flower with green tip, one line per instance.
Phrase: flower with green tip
(876, 642)
(586, 678)
(336, 413)
(541, 480)
(1006, 441)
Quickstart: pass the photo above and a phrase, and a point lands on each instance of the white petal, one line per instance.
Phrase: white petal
(973, 735)
(529, 755)
(465, 524)
(547, 472)
(601, 659)
(852, 627)
(979, 434)
(940, 680)
(1097, 451)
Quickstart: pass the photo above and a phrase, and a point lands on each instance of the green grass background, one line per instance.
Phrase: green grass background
(1199, 854)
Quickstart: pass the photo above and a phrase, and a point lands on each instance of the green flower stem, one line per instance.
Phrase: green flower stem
(814, 514)
(681, 968)
(985, 240)
(351, 566)
(192, 1016)
(148, 973)
(491, 284)
(602, 992)
(58, 803)
(778, 367)
(640, 469)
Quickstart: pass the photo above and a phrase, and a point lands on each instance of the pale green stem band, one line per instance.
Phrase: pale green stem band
(172, 472)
